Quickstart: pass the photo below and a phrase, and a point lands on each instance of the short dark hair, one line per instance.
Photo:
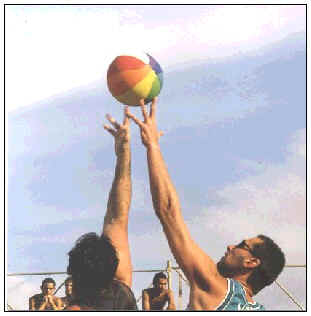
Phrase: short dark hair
(157, 276)
(69, 279)
(272, 263)
(92, 265)
(48, 280)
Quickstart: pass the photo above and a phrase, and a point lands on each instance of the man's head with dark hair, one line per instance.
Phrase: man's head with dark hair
(160, 281)
(92, 265)
(69, 279)
(48, 280)
(272, 263)
(260, 257)
(48, 286)
(68, 286)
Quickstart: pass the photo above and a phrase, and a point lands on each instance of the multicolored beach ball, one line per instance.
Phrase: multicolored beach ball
(131, 78)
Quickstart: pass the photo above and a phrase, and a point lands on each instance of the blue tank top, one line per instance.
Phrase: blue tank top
(235, 299)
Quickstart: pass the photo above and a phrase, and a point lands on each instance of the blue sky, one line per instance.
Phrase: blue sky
(232, 107)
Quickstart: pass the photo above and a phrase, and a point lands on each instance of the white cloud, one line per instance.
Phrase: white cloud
(273, 202)
(50, 50)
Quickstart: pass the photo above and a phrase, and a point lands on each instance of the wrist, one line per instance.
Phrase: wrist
(122, 148)
(153, 146)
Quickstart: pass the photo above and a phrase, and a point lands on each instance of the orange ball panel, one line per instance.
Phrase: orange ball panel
(122, 63)
(120, 82)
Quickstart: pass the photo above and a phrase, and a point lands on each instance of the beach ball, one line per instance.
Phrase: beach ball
(134, 77)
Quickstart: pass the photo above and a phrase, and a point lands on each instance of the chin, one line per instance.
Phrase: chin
(224, 269)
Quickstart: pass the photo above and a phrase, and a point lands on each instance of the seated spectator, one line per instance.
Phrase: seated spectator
(156, 297)
(45, 301)
(66, 300)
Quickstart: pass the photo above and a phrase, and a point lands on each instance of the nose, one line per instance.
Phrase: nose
(230, 247)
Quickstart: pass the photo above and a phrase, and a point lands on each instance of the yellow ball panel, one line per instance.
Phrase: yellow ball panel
(139, 91)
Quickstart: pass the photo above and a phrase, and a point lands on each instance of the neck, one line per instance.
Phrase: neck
(243, 280)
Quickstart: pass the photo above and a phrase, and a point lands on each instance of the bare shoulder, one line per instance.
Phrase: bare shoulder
(35, 298)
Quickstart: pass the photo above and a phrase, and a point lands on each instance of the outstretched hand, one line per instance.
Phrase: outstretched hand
(148, 128)
(120, 132)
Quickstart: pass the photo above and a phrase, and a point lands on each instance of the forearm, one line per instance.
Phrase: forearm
(171, 303)
(43, 306)
(55, 306)
(164, 196)
(116, 219)
(120, 193)
(168, 210)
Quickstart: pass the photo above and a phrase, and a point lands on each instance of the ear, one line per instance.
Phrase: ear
(252, 263)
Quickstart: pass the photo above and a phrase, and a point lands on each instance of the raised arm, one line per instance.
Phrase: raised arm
(116, 218)
(197, 266)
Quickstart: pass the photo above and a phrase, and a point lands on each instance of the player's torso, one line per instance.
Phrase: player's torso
(234, 299)
(202, 300)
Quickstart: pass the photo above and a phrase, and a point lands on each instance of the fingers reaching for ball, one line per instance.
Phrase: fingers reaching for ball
(148, 128)
(134, 118)
(153, 108)
(113, 121)
(115, 124)
(120, 132)
(110, 129)
(122, 82)
(144, 110)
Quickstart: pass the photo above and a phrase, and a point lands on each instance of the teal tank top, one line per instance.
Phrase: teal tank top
(235, 299)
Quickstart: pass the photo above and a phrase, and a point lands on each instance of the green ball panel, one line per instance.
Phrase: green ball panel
(155, 90)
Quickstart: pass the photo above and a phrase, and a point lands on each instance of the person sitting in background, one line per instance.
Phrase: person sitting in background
(45, 301)
(156, 297)
(66, 300)
(100, 266)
